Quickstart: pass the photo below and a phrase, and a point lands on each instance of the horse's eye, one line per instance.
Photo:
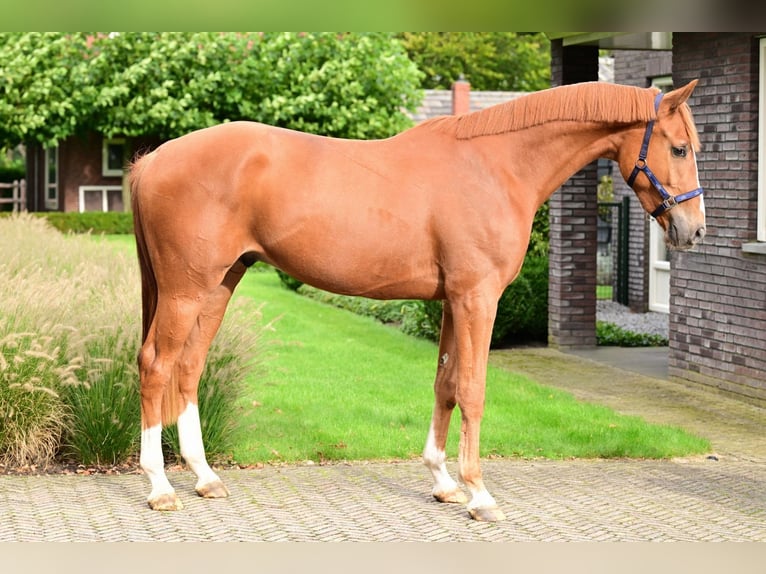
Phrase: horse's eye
(678, 151)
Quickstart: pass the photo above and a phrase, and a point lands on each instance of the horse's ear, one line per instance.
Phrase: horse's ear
(677, 97)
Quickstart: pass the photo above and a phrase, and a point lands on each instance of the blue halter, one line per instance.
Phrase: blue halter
(668, 201)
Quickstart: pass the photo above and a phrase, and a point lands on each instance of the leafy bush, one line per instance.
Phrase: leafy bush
(288, 280)
(522, 312)
(11, 173)
(349, 84)
(69, 336)
(609, 334)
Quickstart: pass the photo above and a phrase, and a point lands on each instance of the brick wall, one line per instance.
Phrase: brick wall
(573, 212)
(718, 293)
(638, 68)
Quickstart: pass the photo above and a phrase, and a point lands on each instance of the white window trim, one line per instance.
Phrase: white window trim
(105, 170)
(104, 189)
(51, 203)
(761, 233)
(759, 246)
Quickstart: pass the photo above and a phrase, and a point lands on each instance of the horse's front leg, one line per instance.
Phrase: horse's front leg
(474, 318)
(434, 456)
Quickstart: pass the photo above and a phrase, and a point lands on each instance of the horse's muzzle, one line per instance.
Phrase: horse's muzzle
(681, 236)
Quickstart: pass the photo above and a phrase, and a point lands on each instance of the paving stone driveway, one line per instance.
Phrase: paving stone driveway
(618, 500)
(700, 500)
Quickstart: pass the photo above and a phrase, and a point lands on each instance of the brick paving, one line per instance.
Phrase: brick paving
(698, 499)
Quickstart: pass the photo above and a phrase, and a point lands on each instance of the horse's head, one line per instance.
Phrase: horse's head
(670, 191)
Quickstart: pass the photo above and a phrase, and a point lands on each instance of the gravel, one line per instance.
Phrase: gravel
(650, 323)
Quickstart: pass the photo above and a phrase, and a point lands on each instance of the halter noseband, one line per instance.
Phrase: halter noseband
(668, 201)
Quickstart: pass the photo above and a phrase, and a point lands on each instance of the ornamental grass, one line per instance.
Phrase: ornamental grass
(70, 319)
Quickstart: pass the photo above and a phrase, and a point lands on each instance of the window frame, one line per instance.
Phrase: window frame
(106, 169)
(51, 188)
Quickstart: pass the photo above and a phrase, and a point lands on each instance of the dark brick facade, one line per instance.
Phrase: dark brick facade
(573, 240)
(718, 292)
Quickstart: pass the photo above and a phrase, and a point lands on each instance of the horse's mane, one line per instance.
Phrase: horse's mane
(586, 102)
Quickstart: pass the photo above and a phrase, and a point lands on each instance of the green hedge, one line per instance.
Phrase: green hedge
(10, 173)
(109, 223)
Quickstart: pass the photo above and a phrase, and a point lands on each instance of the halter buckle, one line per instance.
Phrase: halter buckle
(667, 204)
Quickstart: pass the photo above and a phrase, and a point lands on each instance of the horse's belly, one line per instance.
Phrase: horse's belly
(357, 259)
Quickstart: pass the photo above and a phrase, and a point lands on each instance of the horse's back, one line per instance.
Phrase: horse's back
(381, 218)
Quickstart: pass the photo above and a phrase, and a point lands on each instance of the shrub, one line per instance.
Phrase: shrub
(69, 337)
(609, 334)
(522, 312)
(288, 280)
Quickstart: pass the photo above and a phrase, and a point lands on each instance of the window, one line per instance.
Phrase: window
(51, 178)
(113, 157)
(664, 83)
(100, 198)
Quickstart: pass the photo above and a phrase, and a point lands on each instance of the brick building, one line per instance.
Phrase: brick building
(82, 173)
(717, 298)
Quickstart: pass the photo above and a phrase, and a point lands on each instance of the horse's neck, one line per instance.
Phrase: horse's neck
(546, 156)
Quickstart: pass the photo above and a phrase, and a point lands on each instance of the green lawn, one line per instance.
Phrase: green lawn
(337, 386)
(341, 386)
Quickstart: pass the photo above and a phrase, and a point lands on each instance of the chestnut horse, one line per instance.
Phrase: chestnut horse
(440, 211)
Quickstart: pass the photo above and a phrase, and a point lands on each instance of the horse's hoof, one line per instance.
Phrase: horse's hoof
(213, 490)
(166, 502)
(492, 514)
(456, 496)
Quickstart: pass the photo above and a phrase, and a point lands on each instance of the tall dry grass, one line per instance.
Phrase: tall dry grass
(70, 313)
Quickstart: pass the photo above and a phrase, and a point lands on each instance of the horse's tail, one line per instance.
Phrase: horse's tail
(171, 396)
(148, 280)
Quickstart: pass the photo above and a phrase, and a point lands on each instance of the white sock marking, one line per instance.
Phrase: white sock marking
(434, 458)
(192, 449)
(153, 463)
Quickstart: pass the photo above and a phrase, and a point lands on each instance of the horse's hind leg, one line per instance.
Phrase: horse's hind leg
(445, 387)
(173, 321)
(188, 372)
(170, 365)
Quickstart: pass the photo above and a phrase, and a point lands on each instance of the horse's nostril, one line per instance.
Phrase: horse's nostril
(700, 234)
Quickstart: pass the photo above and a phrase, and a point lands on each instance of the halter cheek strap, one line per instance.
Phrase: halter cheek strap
(668, 201)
